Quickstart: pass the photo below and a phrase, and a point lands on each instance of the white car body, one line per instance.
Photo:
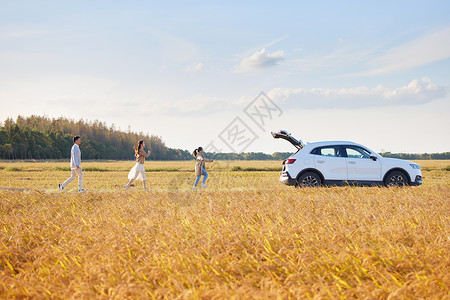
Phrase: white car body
(343, 162)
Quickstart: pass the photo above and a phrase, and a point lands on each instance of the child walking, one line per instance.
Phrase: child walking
(138, 171)
(200, 167)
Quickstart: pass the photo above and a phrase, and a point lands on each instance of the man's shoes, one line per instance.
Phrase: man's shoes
(194, 188)
(60, 187)
(204, 185)
(81, 191)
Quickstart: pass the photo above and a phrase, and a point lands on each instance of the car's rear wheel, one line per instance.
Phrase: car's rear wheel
(309, 179)
(396, 178)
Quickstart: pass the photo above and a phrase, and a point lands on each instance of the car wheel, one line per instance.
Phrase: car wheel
(309, 179)
(396, 178)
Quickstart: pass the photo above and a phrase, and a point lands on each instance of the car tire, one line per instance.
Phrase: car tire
(396, 178)
(309, 179)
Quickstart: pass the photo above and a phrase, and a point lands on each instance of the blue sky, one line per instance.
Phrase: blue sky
(377, 73)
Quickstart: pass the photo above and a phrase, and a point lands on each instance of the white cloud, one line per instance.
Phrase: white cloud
(416, 92)
(416, 53)
(379, 60)
(161, 69)
(195, 68)
(261, 59)
(250, 51)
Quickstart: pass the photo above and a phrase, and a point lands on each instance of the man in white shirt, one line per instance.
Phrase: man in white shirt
(75, 165)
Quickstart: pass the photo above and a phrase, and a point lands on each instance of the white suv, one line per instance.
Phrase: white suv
(343, 163)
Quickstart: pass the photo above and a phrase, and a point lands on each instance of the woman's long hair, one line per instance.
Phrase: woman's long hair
(138, 146)
(196, 151)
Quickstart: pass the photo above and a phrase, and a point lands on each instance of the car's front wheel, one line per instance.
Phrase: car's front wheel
(309, 179)
(396, 178)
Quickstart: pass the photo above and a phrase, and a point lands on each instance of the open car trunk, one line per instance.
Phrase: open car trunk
(283, 134)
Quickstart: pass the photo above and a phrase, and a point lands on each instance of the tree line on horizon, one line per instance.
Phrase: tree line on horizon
(41, 138)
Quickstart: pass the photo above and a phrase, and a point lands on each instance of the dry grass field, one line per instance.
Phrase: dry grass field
(245, 236)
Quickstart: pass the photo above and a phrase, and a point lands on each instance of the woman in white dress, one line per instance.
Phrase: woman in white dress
(138, 171)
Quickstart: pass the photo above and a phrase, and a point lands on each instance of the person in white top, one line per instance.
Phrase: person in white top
(75, 165)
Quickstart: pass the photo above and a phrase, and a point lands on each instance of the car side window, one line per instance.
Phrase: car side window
(356, 152)
(332, 151)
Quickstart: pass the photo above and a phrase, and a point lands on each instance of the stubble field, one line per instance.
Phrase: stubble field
(245, 236)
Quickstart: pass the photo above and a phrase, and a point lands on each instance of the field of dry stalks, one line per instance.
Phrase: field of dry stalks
(245, 236)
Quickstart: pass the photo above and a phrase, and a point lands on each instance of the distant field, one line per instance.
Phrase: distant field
(245, 236)
(162, 176)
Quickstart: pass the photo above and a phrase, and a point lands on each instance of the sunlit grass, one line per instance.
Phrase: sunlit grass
(245, 236)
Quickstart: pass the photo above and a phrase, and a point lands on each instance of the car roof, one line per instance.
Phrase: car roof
(329, 143)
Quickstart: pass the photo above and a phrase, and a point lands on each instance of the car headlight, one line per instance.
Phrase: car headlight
(415, 166)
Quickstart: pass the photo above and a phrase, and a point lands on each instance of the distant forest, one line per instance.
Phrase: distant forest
(38, 137)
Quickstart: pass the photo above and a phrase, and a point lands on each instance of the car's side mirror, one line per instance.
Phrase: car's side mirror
(373, 157)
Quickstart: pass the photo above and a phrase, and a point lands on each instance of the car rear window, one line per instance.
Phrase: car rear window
(333, 151)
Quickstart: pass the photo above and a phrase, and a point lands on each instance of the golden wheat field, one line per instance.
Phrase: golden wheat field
(245, 236)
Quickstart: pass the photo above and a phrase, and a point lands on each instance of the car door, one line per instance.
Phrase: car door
(330, 162)
(360, 166)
